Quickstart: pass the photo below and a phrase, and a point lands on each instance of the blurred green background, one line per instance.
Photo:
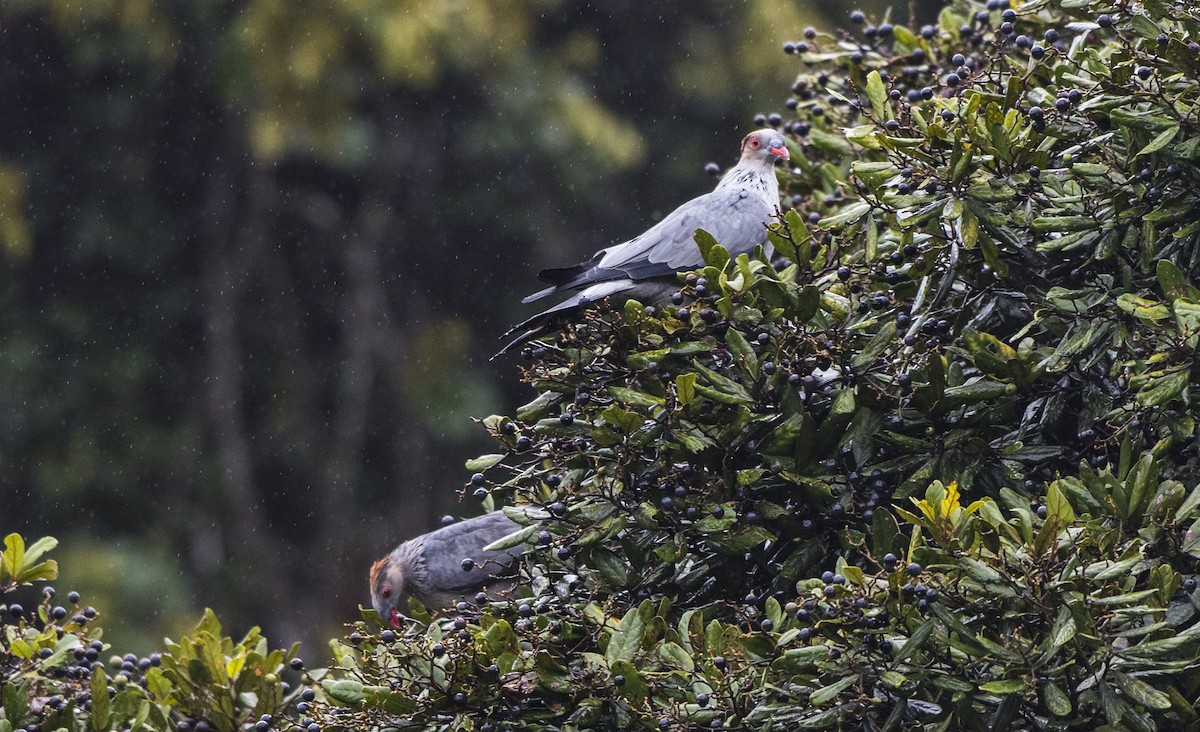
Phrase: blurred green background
(258, 252)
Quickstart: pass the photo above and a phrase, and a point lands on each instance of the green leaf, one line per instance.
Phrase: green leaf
(483, 462)
(101, 704)
(1143, 308)
(877, 93)
(612, 568)
(877, 345)
(516, 538)
(1058, 506)
(723, 389)
(1141, 692)
(1162, 389)
(34, 551)
(12, 561)
(826, 694)
(713, 254)
(685, 388)
(917, 639)
(626, 639)
(675, 656)
(1061, 632)
(635, 398)
(1008, 686)
(344, 691)
(1160, 141)
(1055, 699)
(1189, 506)
(742, 352)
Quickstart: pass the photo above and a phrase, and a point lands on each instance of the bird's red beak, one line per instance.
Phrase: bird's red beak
(780, 151)
(395, 619)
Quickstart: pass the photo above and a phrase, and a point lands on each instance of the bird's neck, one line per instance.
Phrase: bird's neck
(756, 177)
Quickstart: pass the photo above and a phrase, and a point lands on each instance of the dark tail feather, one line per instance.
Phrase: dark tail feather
(649, 292)
(540, 324)
(563, 275)
(521, 340)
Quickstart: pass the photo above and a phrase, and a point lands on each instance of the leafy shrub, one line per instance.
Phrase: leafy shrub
(937, 471)
(52, 678)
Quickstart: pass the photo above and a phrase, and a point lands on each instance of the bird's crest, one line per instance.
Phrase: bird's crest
(377, 570)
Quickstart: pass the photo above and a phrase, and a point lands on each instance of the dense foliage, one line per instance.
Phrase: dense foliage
(936, 470)
(52, 676)
(256, 254)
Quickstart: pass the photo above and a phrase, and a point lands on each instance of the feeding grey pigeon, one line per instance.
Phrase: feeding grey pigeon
(736, 213)
(445, 566)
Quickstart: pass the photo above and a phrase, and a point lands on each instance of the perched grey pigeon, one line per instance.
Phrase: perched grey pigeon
(445, 566)
(644, 268)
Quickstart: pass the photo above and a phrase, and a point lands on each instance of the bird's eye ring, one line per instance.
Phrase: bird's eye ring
(386, 592)
(753, 142)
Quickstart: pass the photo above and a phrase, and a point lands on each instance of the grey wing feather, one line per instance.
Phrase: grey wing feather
(446, 548)
(735, 218)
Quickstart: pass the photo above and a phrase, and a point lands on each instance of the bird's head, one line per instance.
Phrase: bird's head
(387, 588)
(765, 146)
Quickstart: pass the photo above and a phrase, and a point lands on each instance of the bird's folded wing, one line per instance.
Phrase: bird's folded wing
(736, 219)
(445, 549)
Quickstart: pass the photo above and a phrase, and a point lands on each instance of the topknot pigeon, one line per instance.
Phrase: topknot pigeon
(445, 566)
(736, 213)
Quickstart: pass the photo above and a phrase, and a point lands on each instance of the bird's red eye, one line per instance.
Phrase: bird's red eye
(386, 592)
(754, 142)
